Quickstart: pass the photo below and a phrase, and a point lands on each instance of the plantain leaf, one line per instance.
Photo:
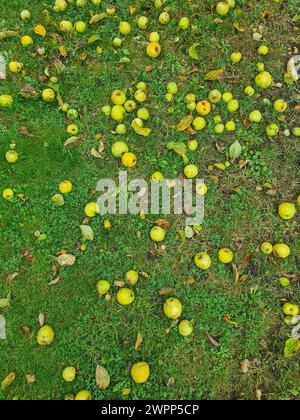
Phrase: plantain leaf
(179, 148)
(235, 150)
(292, 346)
(87, 233)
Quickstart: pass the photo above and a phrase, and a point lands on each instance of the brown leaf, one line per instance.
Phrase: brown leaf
(25, 132)
(171, 381)
(102, 377)
(149, 68)
(30, 379)
(65, 260)
(56, 37)
(139, 341)
(26, 329)
(219, 148)
(236, 273)
(28, 91)
(42, 318)
(11, 277)
(258, 394)
(245, 366)
(163, 223)
(212, 340)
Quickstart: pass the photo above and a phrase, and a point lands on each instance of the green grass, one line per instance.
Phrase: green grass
(90, 331)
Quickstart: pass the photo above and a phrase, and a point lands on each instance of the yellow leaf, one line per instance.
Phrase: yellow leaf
(126, 392)
(40, 30)
(139, 341)
(185, 123)
(215, 74)
(97, 18)
(193, 53)
(132, 10)
(145, 132)
(63, 51)
(220, 166)
(7, 381)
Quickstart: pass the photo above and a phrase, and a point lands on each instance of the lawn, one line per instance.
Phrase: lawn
(237, 348)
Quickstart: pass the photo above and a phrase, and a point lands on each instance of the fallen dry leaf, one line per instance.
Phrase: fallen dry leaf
(212, 340)
(42, 318)
(139, 341)
(65, 260)
(102, 377)
(53, 282)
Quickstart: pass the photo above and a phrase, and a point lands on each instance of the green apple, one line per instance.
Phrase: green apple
(143, 22)
(124, 28)
(272, 130)
(287, 210)
(164, 18)
(184, 23)
(11, 156)
(193, 145)
(222, 8)
(191, 106)
(142, 86)
(290, 309)
(263, 50)
(143, 114)
(203, 261)
(80, 27)
(280, 106)
(249, 91)
(158, 4)
(119, 148)
(69, 374)
(227, 97)
(199, 123)
(157, 234)
(169, 97)
(264, 80)
(130, 106)
(131, 277)
(236, 57)
(106, 110)
(121, 129)
(190, 98)
(230, 126)
(154, 37)
(118, 113)
(140, 96)
(25, 15)
(255, 116)
(233, 105)
(214, 96)
(219, 129)
(117, 42)
(296, 131)
(72, 114)
(172, 88)
(191, 171)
